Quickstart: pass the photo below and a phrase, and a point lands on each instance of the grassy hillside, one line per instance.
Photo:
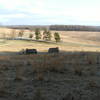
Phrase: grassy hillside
(43, 76)
(70, 41)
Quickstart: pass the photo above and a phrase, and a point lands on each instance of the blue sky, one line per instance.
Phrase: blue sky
(47, 12)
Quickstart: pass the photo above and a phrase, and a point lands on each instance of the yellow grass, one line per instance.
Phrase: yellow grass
(74, 41)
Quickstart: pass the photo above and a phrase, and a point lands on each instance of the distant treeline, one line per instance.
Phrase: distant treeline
(74, 28)
(57, 27)
(28, 27)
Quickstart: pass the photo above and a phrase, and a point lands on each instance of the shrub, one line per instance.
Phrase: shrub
(30, 36)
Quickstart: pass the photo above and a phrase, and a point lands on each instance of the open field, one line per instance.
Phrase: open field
(71, 41)
(73, 74)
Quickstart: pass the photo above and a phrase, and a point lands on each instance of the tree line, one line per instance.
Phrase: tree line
(46, 35)
(74, 28)
(57, 27)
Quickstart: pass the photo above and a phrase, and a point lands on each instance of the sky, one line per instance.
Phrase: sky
(50, 12)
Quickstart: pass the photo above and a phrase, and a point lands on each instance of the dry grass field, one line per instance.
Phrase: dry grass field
(72, 74)
(71, 41)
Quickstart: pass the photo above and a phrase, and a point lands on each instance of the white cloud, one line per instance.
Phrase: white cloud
(50, 10)
(34, 6)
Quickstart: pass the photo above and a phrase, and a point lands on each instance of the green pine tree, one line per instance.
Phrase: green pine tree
(57, 37)
(37, 34)
(47, 35)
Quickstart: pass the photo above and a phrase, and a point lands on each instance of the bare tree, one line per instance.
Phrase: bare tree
(21, 33)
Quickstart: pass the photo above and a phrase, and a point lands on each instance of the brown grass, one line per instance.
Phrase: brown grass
(71, 38)
(45, 68)
(61, 69)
